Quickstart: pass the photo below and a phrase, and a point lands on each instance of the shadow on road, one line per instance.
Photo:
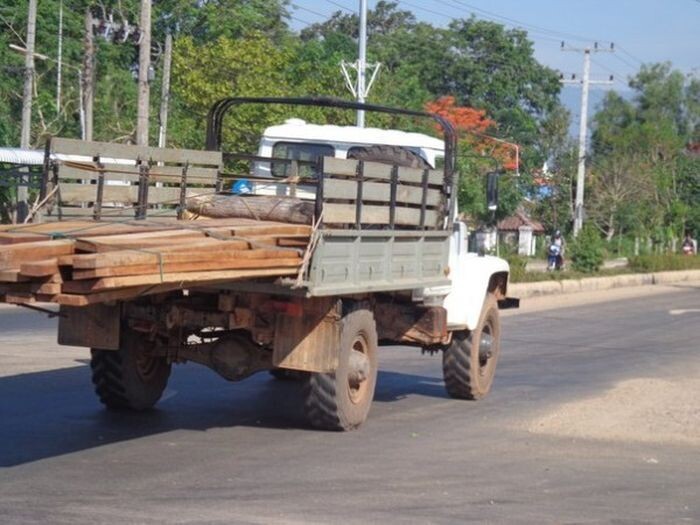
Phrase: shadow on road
(48, 414)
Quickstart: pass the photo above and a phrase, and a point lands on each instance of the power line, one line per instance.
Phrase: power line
(340, 5)
(616, 75)
(525, 25)
(630, 55)
(624, 61)
(297, 6)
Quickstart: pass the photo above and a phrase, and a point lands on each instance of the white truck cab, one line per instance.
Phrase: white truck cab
(296, 139)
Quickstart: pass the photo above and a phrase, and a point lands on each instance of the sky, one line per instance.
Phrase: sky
(643, 31)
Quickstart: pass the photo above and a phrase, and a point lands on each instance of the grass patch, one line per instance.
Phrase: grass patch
(534, 277)
(664, 263)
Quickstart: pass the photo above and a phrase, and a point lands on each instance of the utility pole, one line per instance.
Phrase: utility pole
(362, 63)
(59, 57)
(583, 125)
(144, 68)
(165, 91)
(88, 76)
(361, 87)
(28, 76)
(25, 135)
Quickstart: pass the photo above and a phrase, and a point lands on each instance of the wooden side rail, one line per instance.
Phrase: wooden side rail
(361, 193)
(105, 180)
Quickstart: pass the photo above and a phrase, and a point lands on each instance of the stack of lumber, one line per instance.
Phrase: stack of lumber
(78, 263)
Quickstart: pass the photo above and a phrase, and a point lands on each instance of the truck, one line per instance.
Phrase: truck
(386, 263)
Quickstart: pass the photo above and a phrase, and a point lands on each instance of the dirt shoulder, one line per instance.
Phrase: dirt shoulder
(649, 410)
(645, 409)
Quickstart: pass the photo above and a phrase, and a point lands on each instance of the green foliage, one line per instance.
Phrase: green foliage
(203, 74)
(642, 180)
(661, 263)
(586, 251)
(534, 277)
(517, 267)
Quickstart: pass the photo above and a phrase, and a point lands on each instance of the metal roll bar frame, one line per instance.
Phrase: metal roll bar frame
(220, 108)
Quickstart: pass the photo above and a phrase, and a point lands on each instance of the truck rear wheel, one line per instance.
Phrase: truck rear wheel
(341, 400)
(469, 363)
(129, 378)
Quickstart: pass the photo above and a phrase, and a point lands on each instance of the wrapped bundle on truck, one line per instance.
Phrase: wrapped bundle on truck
(338, 238)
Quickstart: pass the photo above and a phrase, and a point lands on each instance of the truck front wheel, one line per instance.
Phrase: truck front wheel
(129, 378)
(341, 400)
(469, 363)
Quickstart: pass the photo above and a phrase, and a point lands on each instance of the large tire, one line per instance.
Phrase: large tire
(127, 378)
(341, 400)
(469, 363)
(394, 155)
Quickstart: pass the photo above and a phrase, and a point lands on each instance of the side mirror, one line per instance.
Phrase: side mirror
(492, 190)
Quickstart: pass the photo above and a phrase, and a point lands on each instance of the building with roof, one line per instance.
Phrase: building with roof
(522, 231)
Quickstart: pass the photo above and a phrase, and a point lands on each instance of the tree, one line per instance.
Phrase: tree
(203, 74)
(639, 156)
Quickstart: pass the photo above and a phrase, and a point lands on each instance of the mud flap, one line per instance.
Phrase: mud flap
(310, 340)
(93, 326)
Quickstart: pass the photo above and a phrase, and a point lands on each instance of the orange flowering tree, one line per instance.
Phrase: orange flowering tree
(472, 126)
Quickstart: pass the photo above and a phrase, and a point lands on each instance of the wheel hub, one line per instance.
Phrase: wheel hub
(485, 347)
(358, 371)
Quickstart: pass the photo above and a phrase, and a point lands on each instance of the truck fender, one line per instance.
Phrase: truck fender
(474, 277)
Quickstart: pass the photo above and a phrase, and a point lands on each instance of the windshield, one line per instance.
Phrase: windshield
(307, 153)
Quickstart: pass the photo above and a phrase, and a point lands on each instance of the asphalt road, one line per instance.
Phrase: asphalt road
(218, 452)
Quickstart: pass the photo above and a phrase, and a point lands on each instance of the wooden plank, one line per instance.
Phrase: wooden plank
(114, 295)
(347, 167)
(110, 214)
(16, 238)
(130, 151)
(119, 242)
(378, 192)
(108, 283)
(221, 263)
(292, 243)
(158, 238)
(415, 176)
(97, 149)
(13, 255)
(12, 276)
(31, 288)
(40, 268)
(222, 251)
(129, 173)
(40, 227)
(171, 253)
(71, 193)
(345, 214)
(181, 156)
(19, 298)
(378, 170)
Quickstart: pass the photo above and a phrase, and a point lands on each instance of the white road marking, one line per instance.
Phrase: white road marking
(686, 311)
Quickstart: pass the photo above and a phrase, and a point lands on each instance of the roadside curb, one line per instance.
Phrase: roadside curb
(589, 284)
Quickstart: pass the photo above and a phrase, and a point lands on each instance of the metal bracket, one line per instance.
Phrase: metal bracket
(183, 192)
(142, 205)
(97, 210)
(358, 199)
(46, 311)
